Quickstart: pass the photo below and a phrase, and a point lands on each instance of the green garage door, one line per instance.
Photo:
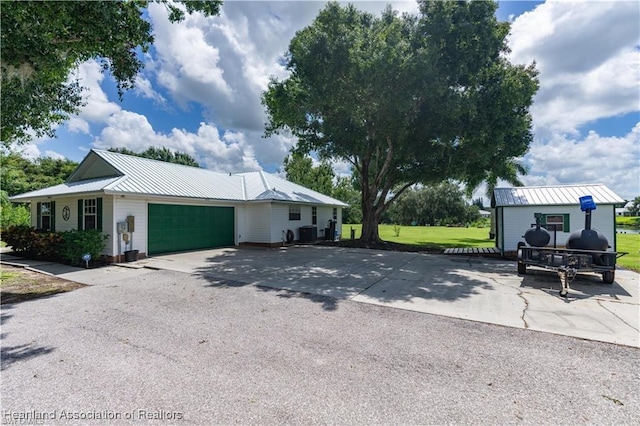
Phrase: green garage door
(181, 228)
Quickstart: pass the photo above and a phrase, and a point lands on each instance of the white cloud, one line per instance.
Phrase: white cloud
(144, 88)
(29, 150)
(78, 125)
(592, 159)
(98, 106)
(54, 155)
(226, 152)
(588, 60)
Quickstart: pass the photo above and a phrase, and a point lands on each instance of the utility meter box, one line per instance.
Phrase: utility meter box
(131, 223)
(122, 227)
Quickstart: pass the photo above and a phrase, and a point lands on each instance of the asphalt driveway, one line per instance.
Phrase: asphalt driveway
(477, 289)
(168, 347)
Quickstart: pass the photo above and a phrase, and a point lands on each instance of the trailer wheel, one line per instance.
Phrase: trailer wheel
(522, 268)
(608, 277)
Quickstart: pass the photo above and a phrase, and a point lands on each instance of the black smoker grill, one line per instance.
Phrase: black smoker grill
(586, 251)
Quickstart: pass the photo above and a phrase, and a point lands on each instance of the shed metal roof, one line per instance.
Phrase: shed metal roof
(553, 195)
(143, 176)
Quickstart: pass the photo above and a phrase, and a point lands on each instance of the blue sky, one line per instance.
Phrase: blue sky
(200, 90)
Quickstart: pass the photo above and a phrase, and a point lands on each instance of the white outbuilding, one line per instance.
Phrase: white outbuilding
(514, 210)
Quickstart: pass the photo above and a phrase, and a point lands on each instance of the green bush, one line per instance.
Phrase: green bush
(76, 243)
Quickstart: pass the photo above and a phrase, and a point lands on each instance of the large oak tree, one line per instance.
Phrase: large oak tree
(43, 41)
(406, 99)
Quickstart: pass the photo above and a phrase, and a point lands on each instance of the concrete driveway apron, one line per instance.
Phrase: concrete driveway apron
(476, 289)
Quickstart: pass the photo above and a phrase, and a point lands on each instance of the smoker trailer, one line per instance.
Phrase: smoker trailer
(585, 251)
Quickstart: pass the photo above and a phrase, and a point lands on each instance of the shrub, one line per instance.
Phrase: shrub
(18, 237)
(45, 245)
(33, 243)
(76, 243)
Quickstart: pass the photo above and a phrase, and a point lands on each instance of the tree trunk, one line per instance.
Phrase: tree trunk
(370, 220)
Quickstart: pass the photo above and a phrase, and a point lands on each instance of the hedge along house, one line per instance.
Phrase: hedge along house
(514, 210)
(158, 207)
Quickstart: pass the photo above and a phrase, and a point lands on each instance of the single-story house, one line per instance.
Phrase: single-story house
(626, 210)
(158, 207)
(484, 213)
(514, 210)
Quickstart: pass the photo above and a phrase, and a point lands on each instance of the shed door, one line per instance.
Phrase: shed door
(181, 228)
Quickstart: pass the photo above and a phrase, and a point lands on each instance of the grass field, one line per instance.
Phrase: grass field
(431, 236)
(631, 244)
(627, 221)
(444, 237)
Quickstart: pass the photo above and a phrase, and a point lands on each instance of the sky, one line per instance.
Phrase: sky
(200, 89)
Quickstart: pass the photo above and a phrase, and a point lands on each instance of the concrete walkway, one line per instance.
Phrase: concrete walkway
(97, 276)
(476, 289)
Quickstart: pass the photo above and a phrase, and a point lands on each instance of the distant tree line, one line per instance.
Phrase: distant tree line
(434, 205)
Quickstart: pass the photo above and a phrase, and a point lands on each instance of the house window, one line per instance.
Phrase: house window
(314, 215)
(294, 212)
(45, 216)
(90, 214)
(335, 213)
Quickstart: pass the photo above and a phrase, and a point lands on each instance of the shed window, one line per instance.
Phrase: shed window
(314, 215)
(335, 213)
(556, 222)
(294, 212)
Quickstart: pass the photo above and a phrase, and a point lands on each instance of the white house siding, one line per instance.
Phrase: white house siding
(518, 219)
(107, 223)
(280, 221)
(61, 224)
(137, 208)
(241, 224)
(258, 219)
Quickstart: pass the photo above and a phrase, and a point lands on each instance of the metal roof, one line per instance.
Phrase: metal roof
(553, 195)
(265, 186)
(144, 176)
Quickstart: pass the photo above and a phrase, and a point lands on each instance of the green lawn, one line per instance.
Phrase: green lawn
(432, 236)
(627, 221)
(444, 237)
(631, 244)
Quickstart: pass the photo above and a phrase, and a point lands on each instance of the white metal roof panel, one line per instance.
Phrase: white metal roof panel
(266, 186)
(85, 186)
(553, 195)
(151, 177)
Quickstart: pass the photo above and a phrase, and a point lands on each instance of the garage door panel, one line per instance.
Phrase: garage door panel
(181, 228)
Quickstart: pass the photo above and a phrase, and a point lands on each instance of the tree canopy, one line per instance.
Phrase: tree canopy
(406, 99)
(161, 154)
(441, 204)
(20, 175)
(299, 169)
(43, 41)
